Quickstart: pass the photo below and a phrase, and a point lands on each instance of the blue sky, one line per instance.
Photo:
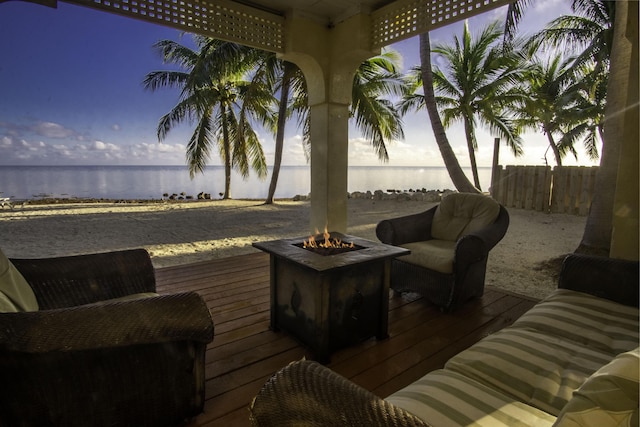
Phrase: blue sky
(71, 94)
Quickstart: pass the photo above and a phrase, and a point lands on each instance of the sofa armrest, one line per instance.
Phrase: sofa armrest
(406, 229)
(610, 278)
(159, 319)
(307, 393)
(83, 279)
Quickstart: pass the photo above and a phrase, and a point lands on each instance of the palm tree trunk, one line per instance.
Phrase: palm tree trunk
(282, 118)
(471, 146)
(554, 148)
(599, 226)
(459, 179)
(226, 147)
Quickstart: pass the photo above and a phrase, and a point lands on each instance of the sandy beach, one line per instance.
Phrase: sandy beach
(184, 232)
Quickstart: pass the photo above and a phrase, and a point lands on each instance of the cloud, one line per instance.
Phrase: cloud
(39, 128)
(102, 146)
(293, 152)
(52, 130)
(35, 151)
(40, 142)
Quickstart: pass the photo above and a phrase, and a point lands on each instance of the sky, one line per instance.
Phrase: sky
(71, 93)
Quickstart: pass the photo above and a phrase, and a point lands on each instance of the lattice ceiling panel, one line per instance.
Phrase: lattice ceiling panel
(218, 19)
(263, 29)
(403, 19)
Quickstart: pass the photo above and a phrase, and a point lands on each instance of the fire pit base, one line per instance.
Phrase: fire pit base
(330, 302)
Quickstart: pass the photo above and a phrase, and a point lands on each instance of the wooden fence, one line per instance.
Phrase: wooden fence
(565, 189)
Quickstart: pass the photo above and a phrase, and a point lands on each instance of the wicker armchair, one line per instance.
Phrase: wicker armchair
(80, 360)
(456, 236)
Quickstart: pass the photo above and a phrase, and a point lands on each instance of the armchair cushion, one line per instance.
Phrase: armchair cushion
(463, 213)
(15, 293)
(434, 254)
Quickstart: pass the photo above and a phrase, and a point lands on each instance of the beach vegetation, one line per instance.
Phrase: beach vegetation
(591, 33)
(551, 103)
(222, 98)
(457, 175)
(478, 86)
(287, 79)
(377, 80)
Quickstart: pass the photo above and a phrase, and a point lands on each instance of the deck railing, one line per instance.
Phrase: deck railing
(563, 189)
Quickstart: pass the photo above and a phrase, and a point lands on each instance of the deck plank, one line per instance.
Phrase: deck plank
(245, 352)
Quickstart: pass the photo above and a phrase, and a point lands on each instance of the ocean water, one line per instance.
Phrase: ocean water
(151, 182)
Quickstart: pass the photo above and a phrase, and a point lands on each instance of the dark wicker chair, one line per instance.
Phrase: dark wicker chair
(80, 360)
(465, 278)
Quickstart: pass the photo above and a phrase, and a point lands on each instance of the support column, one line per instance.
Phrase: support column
(329, 56)
(329, 166)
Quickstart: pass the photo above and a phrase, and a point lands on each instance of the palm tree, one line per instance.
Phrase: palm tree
(289, 71)
(588, 112)
(478, 86)
(593, 28)
(218, 97)
(589, 32)
(459, 179)
(376, 116)
(550, 104)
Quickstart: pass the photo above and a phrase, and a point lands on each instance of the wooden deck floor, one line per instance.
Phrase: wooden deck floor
(245, 353)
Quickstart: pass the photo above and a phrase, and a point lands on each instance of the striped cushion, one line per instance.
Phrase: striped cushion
(585, 319)
(446, 398)
(551, 350)
(608, 398)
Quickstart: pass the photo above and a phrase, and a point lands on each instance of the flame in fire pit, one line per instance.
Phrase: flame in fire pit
(327, 243)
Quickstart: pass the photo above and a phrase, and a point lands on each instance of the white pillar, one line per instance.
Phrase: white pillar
(329, 57)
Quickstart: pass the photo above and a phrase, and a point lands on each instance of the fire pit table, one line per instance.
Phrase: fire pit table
(332, 298)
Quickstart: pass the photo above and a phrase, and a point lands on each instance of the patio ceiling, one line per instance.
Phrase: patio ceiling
(263, 23)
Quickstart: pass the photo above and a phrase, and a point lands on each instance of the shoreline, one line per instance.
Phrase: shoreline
(182, 232)
(390, 194)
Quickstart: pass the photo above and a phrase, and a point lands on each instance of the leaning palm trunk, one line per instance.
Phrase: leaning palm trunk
(282, 117)
(227, 158)
(554, 148)
(459, 179)
(471, 146)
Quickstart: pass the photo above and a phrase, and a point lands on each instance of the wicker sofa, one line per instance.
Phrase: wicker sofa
(88, 342)
(572, 360)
